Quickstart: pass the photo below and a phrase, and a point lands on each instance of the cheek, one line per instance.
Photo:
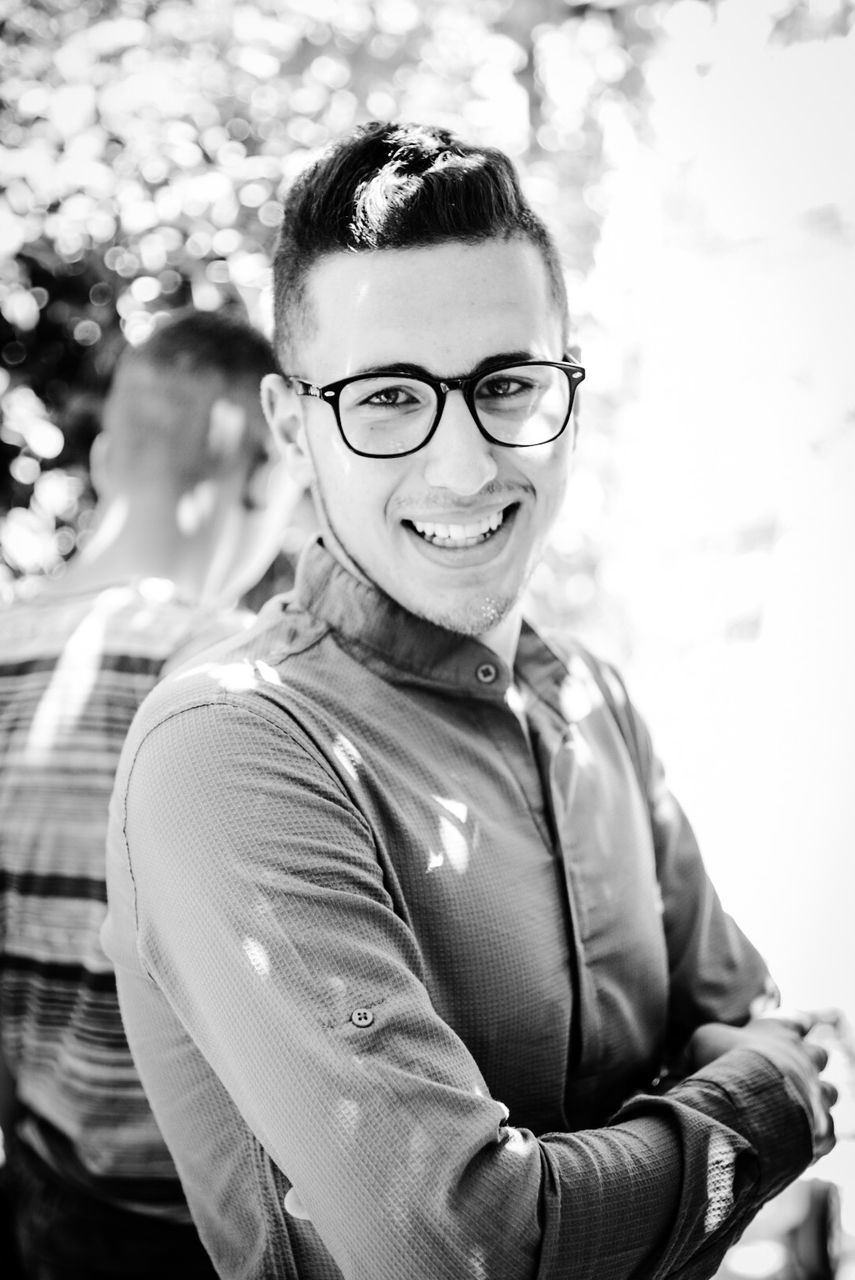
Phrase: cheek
(549, 476)
(354, 497)
(333, 475)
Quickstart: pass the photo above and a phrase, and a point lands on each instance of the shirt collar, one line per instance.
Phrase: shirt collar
(389, 637)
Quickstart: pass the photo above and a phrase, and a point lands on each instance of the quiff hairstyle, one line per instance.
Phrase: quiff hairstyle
(397, 186)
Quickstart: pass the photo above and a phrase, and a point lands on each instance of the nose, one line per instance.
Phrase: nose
(458, 457)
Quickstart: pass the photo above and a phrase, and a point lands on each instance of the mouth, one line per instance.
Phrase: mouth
(457, 535)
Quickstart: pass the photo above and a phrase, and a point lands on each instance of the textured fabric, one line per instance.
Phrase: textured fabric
(73, 670)
(397, 926)
(65, 1234)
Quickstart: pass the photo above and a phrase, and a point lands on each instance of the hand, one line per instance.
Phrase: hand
(776, 1035)
(294, 1205)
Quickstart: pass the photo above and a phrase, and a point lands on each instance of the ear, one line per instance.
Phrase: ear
(284, 412)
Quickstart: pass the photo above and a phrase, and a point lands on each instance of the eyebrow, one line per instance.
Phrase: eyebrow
(499, 360)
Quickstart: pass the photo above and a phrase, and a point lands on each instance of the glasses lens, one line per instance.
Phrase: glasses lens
(524, 404)
(387, 414)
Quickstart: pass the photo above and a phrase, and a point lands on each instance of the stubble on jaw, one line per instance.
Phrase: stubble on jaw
(473, 619)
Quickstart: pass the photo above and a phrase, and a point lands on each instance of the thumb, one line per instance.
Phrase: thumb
(294, 1205)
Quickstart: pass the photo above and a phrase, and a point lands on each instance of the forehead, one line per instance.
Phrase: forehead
(442, 306)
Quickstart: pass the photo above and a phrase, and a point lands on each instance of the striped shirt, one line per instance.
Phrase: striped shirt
(73, 670)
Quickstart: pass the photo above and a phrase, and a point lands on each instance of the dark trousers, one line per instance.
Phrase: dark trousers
(60, 1233)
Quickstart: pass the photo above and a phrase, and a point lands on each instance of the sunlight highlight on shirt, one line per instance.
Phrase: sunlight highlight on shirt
(720, 1162)
(453, 840)
(234, 677)
(257, 956)
(71, 683)
(347, 755)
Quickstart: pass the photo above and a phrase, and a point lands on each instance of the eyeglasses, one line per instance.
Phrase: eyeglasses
(389, 414)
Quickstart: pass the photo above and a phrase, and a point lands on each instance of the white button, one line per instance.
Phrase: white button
(487, 672)
(362, 1017)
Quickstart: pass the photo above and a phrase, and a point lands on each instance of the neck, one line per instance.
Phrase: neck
(130, 544)
(331, 541)
(503, 639)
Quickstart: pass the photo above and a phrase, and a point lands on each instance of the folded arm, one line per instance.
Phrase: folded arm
(263, 918)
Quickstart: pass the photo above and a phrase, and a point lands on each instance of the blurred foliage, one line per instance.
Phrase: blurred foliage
(143, 145)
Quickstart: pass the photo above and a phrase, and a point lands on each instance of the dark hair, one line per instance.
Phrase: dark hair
(158, 406)
(398, 186)
(202, 342)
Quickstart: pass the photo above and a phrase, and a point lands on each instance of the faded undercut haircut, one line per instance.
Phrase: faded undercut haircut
(397, 186)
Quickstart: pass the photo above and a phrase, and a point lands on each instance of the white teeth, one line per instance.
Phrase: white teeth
(459, 535)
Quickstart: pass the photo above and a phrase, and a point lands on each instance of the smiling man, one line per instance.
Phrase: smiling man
(448, 525)
(409, 931)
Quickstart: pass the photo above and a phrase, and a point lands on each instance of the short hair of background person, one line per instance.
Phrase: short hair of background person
(191, 507)
(420, 923)
(184, 469)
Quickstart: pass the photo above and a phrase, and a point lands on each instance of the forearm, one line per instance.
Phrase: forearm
(402, 1173)
(265, 945)
(407, 1167)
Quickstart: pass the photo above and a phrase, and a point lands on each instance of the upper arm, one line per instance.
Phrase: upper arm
(263, 918)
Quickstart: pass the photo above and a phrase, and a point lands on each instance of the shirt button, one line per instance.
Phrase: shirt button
(487, 672)
(362, 1017)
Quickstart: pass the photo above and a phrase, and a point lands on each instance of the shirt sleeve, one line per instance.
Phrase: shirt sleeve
(716, 974)
(263, 919)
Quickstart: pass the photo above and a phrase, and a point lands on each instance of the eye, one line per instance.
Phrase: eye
(390, 397)
(517, 394)
(385, 395)
(501, 386)
(508, 391)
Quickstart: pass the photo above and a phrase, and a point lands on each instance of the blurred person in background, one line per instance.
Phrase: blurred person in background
(191, 504)
(416, 952)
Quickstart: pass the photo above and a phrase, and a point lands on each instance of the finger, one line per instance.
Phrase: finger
(817, 1054)
(807, 1020)
(824, 1137)
(825, 1141)
(828, 1017)
(294, 1205)
(798, 1020)
(829, 1092)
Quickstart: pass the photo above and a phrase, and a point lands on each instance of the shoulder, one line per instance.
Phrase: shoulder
(267, 697)
(227, 671)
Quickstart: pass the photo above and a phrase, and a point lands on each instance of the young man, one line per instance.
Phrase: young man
(405, 920)
(181, 469)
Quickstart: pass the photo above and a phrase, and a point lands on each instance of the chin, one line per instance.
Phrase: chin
(473, 619)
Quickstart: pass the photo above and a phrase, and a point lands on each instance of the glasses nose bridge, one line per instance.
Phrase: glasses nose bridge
(465, 386)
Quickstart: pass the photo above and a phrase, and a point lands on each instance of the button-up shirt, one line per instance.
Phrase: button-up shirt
(414, 933)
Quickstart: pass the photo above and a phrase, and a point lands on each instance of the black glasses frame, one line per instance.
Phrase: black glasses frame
(331, 393)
